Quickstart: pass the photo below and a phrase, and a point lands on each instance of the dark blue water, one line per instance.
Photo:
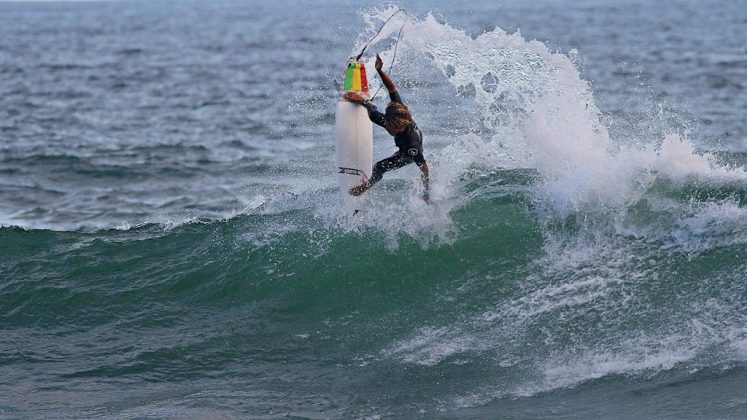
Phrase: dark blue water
(172, 241)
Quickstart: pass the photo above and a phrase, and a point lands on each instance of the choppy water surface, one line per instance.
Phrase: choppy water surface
(172, 243)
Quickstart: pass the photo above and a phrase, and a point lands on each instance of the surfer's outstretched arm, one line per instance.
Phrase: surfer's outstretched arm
(390, 86)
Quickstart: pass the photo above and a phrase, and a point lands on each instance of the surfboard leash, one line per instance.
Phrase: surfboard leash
(396, 45)
(379, 31)
(391, 65)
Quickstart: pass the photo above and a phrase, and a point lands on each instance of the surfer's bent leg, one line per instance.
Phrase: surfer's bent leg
(395, 161)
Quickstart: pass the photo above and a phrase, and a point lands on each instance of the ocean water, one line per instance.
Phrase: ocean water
(173, 243)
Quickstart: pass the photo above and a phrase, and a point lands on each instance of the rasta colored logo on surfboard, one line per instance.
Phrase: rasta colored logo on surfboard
(355, 77)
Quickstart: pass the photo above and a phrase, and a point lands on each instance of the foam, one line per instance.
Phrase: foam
(637, 355)
(431, 346)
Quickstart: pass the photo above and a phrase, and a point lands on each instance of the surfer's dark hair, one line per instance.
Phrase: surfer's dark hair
(397, 115)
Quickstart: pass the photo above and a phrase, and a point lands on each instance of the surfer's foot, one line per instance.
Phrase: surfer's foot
(360, 189)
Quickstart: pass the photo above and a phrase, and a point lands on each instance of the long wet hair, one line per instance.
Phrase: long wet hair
(397, 116)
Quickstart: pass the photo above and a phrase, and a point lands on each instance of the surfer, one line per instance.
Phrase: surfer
(398, 122)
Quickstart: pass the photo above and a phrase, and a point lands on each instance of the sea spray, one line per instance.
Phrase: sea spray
(536, 112)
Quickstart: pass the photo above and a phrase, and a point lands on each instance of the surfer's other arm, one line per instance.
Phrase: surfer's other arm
(424, 176)
(373, 113)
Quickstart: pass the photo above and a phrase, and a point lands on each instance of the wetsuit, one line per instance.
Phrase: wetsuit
(409, 143)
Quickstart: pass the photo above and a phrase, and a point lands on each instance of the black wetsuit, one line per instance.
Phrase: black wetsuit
(409, 142)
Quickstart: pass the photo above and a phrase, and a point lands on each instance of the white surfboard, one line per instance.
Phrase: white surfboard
(354, 151)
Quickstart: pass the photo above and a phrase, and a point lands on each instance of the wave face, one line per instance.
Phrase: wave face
(173, 243)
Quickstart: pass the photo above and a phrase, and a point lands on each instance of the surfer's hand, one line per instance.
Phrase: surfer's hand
(426, 198)
(379, 63)
(353, 97)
